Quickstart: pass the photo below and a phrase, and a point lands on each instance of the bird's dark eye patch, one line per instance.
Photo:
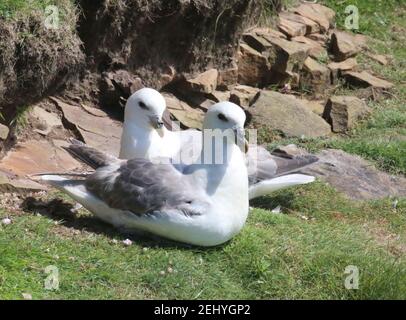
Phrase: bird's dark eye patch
(143, 105)
(222, 117)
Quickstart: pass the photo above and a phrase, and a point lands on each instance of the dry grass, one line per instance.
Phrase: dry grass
(33, 58)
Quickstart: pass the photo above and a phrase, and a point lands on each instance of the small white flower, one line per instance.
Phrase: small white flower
(6, 221)
(277, 210)
(127, 242)
(27, 296)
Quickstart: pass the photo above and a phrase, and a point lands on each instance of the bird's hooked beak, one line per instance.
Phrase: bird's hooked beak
(240, 139)
(156, 122)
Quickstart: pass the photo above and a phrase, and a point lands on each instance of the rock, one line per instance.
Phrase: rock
(345, 65)
(116, 86)
(205, 82)
(361, 41)
(184, 113)
(288, 56)
(288, 115)
(357, 178)
(316, 106)
(11, 183)
(218, 96)
(290, 151)
(257, 42)
(317, 51)
(4, 131)
(320, 38)
(268, 32)
(315, 76)
(37, 156)
(315, 13)
(365, 79)
(311, 26)
(343, 45)
(243, 95)
(343, 112)
(228, 77)
(287, 80)
(94, 111)
(92, 128)
(198, 100)
(369, 93)
(291, 28)
(381, 59)
(253, 67)
(337, 68)
(328, 12)
(44, 121)
(168, 76)
(124, 81)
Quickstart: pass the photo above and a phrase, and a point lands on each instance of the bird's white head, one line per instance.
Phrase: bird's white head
(227, 116)
(145, 108)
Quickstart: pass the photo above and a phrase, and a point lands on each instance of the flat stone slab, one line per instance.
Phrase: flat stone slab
(365, 79)
(317, 50)
(320, 14)
(38, 156)
(99, 132)
(357, 178)
(188, 116)
(311, 26)
(10, 183)
(287, 114)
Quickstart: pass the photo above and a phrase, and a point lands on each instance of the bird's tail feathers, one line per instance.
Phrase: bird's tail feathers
(268, 186)
(91, 156)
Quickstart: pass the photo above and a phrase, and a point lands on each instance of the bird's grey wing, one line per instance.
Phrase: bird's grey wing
(262, 165)
(143, 187)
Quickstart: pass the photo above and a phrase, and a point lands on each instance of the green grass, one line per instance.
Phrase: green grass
(8, 8)
(275, 256)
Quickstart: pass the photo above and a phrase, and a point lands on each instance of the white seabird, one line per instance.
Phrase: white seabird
(205, 204)
(145, 136)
